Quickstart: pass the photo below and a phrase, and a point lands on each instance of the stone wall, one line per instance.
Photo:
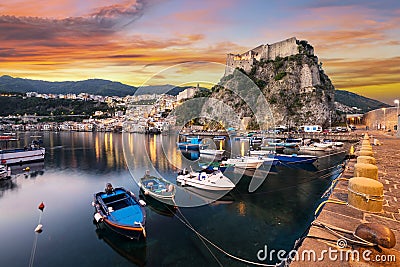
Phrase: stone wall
(376, 119)
(282, 49)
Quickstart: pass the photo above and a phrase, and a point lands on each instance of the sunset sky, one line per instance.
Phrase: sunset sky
(130, 41)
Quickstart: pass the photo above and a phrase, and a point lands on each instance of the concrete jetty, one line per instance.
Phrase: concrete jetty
(331, 235)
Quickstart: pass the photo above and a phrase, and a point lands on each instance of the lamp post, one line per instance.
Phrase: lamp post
(384, 119)
(397, 102)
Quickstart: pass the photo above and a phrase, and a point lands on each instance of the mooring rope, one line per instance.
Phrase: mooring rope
(187, 224)
(34, 246)
(187, 221)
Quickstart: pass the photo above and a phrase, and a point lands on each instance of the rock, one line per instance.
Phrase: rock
(377, 234)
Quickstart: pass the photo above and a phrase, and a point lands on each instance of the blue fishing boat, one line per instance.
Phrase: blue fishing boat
(193, 144)
(120, 211)
(294, 158)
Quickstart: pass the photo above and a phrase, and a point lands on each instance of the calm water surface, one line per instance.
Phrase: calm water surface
(80, 164)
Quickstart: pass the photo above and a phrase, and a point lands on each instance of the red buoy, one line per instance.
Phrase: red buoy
(41, 206)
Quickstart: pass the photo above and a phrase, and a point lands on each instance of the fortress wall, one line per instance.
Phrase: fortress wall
(232, 64)
(283, 49)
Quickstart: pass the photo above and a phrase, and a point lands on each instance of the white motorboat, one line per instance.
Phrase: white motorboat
(17, 156)
(266, 160)
(214, 152)
(322, 145)
(214, 181)
(259, 152)
(312, 148)
(245, 162)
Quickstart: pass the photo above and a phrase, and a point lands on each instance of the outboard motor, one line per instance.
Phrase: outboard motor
(109, 188)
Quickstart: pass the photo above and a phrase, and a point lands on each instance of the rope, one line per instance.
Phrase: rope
(177, 208)
(336, 230)
(328, 201)
(367, 196)
(34, 246)
(217, 247)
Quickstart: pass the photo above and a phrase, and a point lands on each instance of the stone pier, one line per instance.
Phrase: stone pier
(344, 219)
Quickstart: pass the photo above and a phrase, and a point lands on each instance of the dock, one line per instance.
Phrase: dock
(338, 221)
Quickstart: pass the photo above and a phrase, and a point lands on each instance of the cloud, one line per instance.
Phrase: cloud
(356, 73)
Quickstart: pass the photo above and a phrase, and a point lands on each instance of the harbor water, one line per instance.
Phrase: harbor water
(77, 165)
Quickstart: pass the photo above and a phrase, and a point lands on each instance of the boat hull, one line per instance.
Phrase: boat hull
(121, 212)
(19, 156)
(291, 159)
(222, 184)
(212, 152)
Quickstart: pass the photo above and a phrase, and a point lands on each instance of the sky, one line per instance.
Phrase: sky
(150, 41)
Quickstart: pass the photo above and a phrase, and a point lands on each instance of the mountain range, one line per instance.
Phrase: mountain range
(110, 88)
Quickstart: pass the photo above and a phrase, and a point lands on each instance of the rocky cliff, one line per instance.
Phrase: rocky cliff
(296, 88)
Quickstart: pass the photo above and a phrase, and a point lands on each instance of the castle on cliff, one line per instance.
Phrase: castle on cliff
(282, 49)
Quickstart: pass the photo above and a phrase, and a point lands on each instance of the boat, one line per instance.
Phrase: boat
(5, 172)
(245, 163)
(266, 160)
(219, 138)
(120, 211)
(332, 143)
(214, 166)
(21, 155)
(215, 152)
(193, 144)
(158, 188)
(259, 152)
(294, 158)
(312, 148)
(214, 181)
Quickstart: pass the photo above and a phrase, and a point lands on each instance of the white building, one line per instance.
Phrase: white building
(187, 93)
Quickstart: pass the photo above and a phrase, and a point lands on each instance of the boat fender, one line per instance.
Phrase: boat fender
(132, 194)
(93, 204)
(98, 217)
(39, 228)
(170, 188)
(110, 209)
(142, 202)
(27, 169)
(146, 192)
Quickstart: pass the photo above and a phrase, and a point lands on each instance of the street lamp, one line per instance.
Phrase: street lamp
(384, 118)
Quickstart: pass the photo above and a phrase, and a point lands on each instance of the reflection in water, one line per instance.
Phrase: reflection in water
(157, 206)
(133, 250)
(6, 185)
(79, 164)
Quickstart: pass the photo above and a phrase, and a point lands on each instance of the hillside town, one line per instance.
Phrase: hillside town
(133, 113)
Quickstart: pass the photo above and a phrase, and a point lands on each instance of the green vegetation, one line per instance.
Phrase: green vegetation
(46, 107)
(280, 75)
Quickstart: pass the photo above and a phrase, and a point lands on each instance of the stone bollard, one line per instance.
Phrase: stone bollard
(365, 142)
(366, 159)
(365, 194)
(365, 153)
(365, 147)
(366, 170)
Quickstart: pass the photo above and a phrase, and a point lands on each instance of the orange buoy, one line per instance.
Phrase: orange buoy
(41, 206)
